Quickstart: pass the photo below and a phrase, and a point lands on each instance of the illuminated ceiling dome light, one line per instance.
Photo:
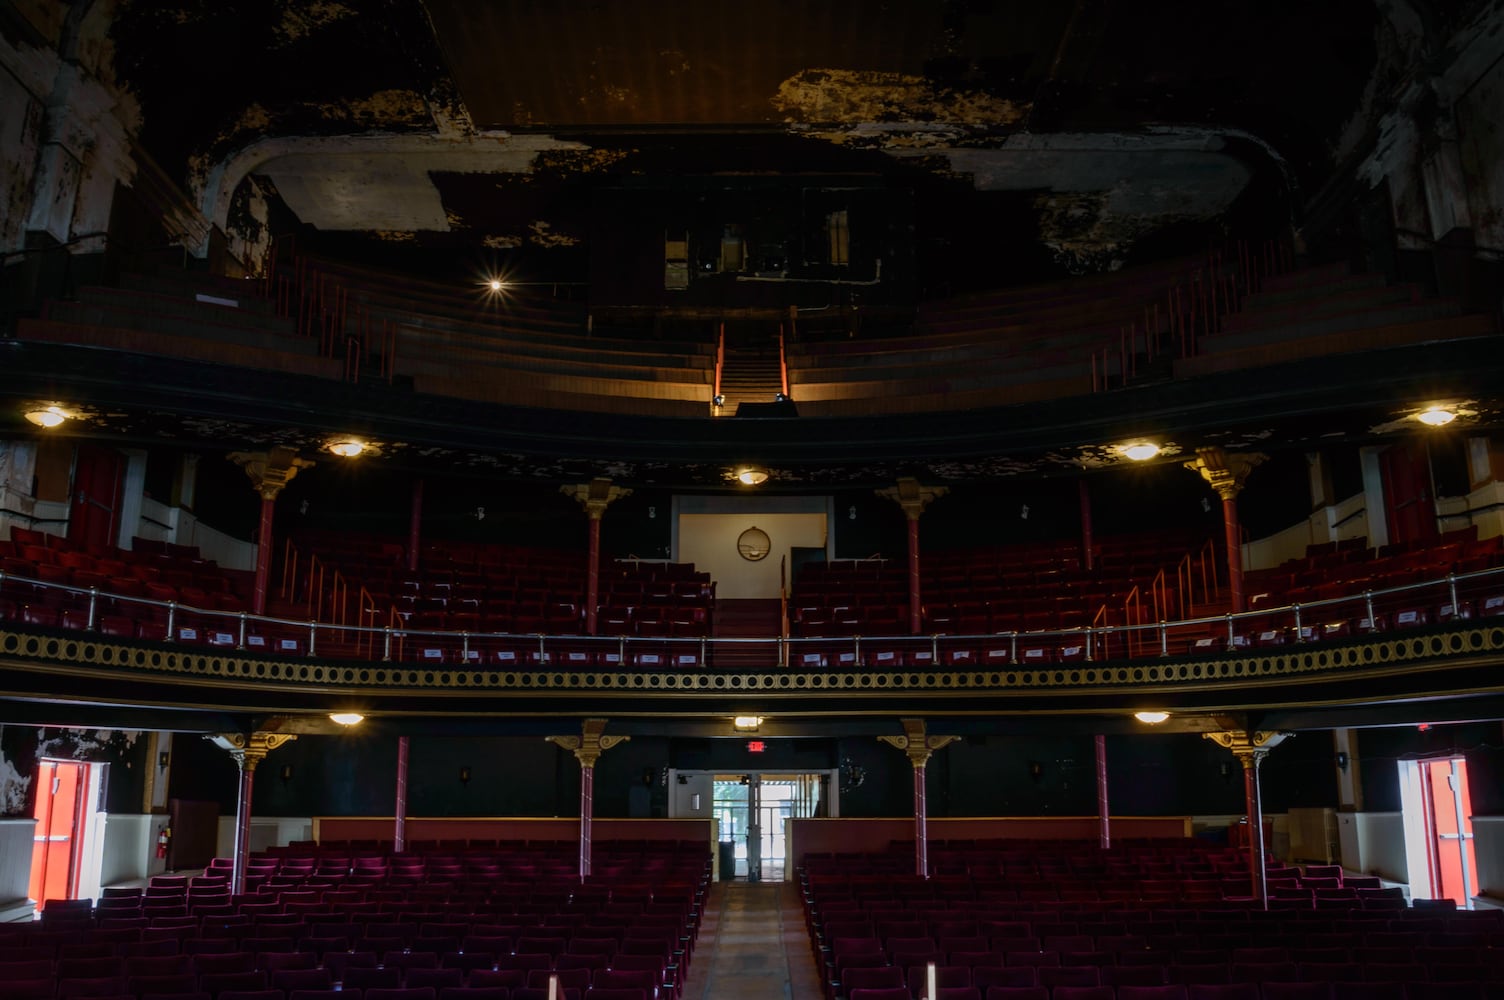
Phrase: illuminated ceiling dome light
(1140, 451)
(346, 718)
(495, 284)
(747, 723)
(47, 416)
(1436, 416)
(752, 475)
(1151, 718)
(347, 449)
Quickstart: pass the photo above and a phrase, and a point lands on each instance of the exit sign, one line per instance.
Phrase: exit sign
(756, 746)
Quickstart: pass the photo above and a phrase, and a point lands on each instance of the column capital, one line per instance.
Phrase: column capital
(912, 496)
(270, 470)
(596, 495)
(1250, 747)
(250, 749)
(916, 743)
(1225, 471)
(590, 744)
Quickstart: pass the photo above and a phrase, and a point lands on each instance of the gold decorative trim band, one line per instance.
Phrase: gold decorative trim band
(97, 657)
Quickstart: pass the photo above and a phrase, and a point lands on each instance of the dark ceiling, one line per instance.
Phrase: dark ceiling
(933, 97)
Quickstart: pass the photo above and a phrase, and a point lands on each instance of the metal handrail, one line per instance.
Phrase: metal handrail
(396, 636)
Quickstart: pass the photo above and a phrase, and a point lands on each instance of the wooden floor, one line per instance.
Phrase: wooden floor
(753, 946)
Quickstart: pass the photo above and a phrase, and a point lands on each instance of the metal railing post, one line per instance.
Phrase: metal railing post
(172, 613)
(1089, 650)
(313, 632)
(240, 643)
(1296, 609)
(93, 607)
(1231, 638)
(1368, 607)
(386, 644)
(1452, 592)
(465, 647)
(1164, 639)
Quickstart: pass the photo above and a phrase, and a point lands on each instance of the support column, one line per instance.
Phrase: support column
(399, 832)
(1104, 821)
(1251, 748)
(1226, 473)
(919, 746)
(587, 749)
(1086, 540)
(249, 750)
(913, 498)
(269, 471)
(595, 496)
(415, 527)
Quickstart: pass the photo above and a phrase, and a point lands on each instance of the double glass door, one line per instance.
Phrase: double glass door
(752, 809)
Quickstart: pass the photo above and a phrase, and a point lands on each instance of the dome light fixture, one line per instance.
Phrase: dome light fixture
(751, 475)
(495, 284)
(1432, 416)
(47, 416)
(747, 723)
(348, 448)
(1151, 718)
(346, 718)
(1140, 451)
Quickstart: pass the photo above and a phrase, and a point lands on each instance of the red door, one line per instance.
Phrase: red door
(60, 798)
(1409, 505)
(98, 476)
(1450, 810)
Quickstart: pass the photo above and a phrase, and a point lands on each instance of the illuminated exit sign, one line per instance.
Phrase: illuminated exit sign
(756, 746)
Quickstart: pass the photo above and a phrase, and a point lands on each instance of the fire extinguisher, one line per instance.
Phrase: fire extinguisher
(164, 837)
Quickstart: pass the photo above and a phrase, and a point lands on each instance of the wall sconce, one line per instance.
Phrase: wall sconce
(465, 775)
(1343, 760)
(163, 759)
(286, 773)
(746, 723)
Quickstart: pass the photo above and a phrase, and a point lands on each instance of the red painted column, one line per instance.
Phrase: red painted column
(921, 826)
(593, 573)
(1234, 540)
(1104, 822)
(263, 555)
(399, 834)
(916, 606)
(1255, 805)
(415, 527)
(587, 811)
(1086, 540)
(243, 825)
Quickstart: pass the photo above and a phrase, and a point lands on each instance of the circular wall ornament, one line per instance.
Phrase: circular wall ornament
(753, 544)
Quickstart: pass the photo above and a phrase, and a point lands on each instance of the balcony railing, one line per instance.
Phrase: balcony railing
(41, 604)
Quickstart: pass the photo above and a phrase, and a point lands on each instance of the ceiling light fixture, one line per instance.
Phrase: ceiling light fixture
(496, 284)
(1151, 718)
(1436, 416)
(747, 723)
(752, 475)
(47, 416)
(347, 449)
(1140, 451)
(346, 718)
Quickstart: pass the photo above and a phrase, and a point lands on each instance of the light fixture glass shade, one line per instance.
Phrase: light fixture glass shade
(1151, 718)
(752, 475)
(747, 723)
(347, 449)
(1140, 451)
(346, 718)
(1436, 416)
(47, 416)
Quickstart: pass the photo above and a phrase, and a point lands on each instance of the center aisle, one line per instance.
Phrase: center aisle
(757, 946)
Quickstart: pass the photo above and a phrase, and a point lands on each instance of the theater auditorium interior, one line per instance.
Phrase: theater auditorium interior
(958, 499)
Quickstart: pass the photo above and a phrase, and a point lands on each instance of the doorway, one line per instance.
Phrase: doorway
(1439, 849)
(62, 863)
(752, 810)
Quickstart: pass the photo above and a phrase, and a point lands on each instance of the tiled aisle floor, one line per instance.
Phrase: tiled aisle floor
(752, 946)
